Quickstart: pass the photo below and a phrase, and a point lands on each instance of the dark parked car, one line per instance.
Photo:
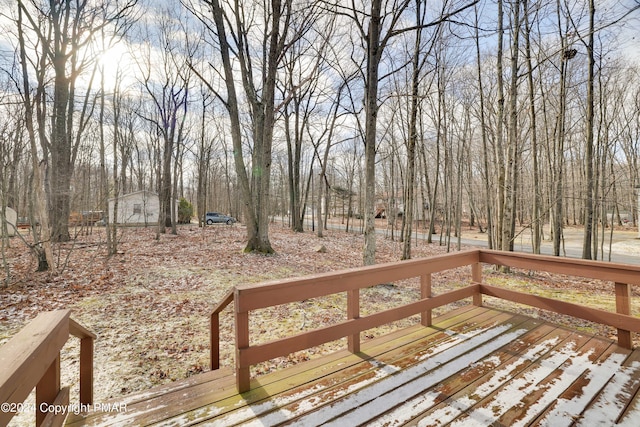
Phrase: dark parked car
(218, 218)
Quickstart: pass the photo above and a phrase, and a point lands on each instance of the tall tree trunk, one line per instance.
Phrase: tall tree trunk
(409, 200)
(374, 54)
(60, 169)
(536, 218)
(294, 154)
(104, 181)
(485, 149)
(499, 132)
(204, 159)
(42, 241)
(558, 167)
(511, 181)
(255, 188)
(588, 200)
(164, 220)
(319, 200)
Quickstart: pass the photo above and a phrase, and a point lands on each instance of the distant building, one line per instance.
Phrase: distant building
(11, 218)
(625, 217)
(138, 208)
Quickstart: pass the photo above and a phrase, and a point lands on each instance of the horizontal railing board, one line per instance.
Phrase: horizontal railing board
(252, 297)
(450, 319)
(262, 352)
(621, 321)
(613, 272)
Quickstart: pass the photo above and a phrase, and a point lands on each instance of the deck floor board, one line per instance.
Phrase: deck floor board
(474, 366)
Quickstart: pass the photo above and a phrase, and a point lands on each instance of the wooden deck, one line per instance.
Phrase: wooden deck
(474, 366)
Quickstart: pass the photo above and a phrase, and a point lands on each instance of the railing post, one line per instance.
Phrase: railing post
(86, 360)
(243, 379)
(47, 389)
(214, 339)
(425, 292)
(214, 330)
(86, 370)
(623, 306)
(476, 277)
(353, 312)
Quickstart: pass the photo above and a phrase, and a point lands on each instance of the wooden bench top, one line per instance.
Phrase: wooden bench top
(474, 366)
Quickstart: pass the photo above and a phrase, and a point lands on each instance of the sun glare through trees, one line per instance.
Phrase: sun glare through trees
(516, 117)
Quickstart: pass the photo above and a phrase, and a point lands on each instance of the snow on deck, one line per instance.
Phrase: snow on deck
(480, 367)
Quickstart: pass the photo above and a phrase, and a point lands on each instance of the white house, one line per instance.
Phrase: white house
(11, 217)
(140, 207)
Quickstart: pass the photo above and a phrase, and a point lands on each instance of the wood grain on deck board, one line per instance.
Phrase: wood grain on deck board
(475, 365)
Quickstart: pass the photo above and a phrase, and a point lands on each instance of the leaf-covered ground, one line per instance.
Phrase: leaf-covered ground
(150, 303)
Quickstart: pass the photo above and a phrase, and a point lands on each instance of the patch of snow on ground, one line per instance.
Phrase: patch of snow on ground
(627, 247)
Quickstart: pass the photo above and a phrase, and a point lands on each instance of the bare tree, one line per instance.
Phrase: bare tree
(231, 26)
(536, 206)
(489, 194)
(377, 26)
(559, 141)
(65, 32)
(323, 182)
(588, 200)
(511, 179)
(302, 87)
(41, 236)
(204, 157)
(418, 61)
(166, 81)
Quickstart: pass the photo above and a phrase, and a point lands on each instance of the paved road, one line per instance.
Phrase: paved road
(625, 248)
(570, 250)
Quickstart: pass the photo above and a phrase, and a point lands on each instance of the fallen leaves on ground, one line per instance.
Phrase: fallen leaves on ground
(150, 303)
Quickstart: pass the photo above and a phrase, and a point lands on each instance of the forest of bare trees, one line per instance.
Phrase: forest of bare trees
(518, 116)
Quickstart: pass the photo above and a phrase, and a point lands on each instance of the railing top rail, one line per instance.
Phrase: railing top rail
(28, 357)
(79, 331)
(609, 271)
(256, 296)
(226, 300)
(28, 354)
(266, 294)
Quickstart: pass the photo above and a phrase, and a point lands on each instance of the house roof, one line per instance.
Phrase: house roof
(128, 195)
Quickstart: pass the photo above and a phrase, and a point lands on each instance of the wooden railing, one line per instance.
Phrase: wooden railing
(214, 330)
(623, 277)
(31, 359)
(254, 297)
